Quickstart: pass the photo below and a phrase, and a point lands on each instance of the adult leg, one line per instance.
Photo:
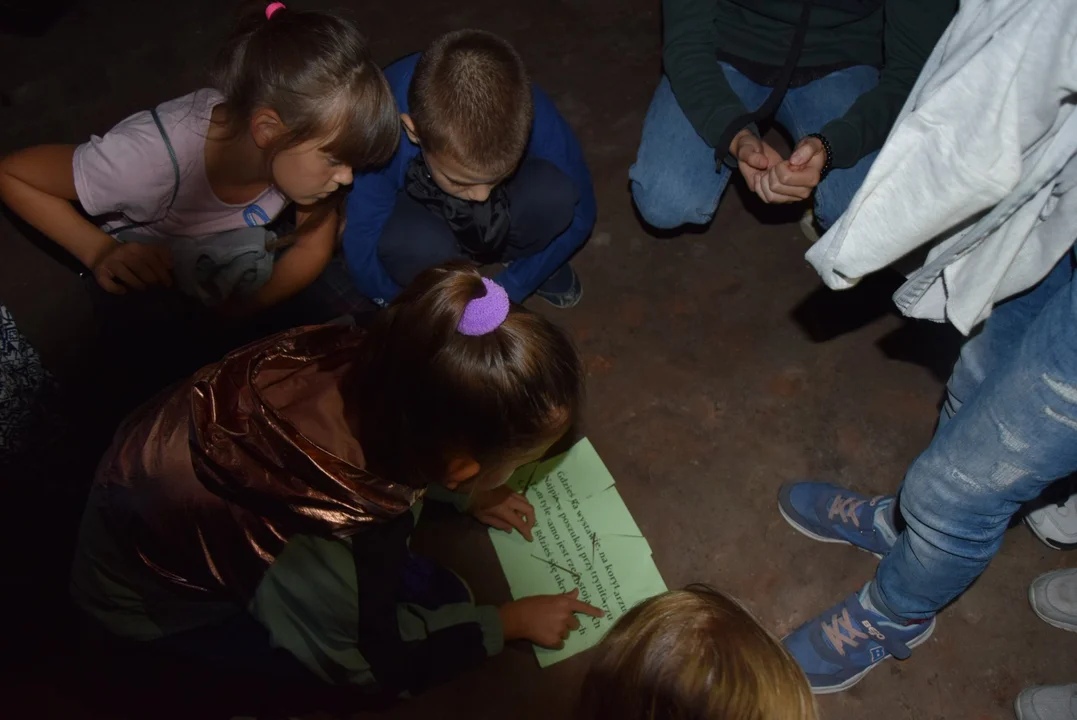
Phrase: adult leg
(674, 180)
(1016, 436)
(807, 109)
(1011, 431)
(413, 240)
(542, 203)
(997, 340)
(830, 513)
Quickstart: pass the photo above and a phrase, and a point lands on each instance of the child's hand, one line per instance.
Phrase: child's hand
(504, 509)
(545, 620)
(133, 265)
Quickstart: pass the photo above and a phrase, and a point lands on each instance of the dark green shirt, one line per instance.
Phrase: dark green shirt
(897, 38)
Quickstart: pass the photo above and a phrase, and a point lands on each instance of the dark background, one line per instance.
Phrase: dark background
(717, 367)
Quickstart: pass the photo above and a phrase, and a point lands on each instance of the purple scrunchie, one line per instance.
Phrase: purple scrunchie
(485, 314)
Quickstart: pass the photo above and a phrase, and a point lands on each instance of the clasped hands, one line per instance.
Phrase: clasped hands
(772, 178)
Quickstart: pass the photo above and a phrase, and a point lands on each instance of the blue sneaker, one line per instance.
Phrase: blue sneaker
(832, 514)
(838, 648)
(562, 289)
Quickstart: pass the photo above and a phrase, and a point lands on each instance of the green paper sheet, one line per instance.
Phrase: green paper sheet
(585, 537)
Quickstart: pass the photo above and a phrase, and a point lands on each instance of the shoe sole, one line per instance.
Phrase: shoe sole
(1053, 544)
(579, 297)
(860, 676)
(1050, 621)
(822, 538)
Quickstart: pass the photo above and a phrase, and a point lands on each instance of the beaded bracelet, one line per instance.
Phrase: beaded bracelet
(826, 146)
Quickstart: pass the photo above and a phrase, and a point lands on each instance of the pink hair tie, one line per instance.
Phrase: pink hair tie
(272, 8)
(485, 314)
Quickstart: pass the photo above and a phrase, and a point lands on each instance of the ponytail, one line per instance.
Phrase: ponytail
(425, 392)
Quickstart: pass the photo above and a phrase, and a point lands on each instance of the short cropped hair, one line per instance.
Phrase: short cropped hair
(470, 98)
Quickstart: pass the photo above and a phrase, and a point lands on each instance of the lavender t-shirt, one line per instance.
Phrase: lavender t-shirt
(128, 172)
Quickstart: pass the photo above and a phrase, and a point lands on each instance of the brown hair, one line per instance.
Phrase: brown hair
(315, 70)
(470, 97)
(425, 393)
(694, 654)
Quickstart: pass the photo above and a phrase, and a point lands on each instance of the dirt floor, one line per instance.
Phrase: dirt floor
(718, 368)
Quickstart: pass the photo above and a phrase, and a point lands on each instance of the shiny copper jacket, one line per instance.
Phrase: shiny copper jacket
(209, 480)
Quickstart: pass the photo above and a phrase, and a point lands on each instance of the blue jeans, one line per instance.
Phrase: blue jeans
(674, 181)
(1008, 429)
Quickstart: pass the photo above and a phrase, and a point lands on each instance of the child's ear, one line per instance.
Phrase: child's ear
(409, 127)
(266, 127)
(461, 469)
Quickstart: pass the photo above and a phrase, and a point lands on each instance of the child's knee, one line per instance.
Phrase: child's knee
(414, 239)
(548, 198)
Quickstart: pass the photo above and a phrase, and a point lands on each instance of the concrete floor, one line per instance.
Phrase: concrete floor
(718, 369)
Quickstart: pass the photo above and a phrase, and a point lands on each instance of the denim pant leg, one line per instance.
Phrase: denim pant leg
(674, 180)
(807, 109)
(1014, 437)
(997, 340)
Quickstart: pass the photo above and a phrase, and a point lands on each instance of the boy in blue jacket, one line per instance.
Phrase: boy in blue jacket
(487, 169)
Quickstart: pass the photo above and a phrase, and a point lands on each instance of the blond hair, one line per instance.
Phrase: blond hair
(694, 654)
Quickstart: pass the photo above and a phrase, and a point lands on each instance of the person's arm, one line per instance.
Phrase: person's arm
(689, 58)
(554, 141)
(501, 508)
(370, 203)
(38, 184)
(438, 642)
(911, 30)
(443, 640)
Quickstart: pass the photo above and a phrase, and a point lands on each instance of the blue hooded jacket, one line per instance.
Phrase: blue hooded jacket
(374, 195)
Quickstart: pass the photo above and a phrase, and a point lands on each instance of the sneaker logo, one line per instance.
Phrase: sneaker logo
(872, 631)
(877, 654)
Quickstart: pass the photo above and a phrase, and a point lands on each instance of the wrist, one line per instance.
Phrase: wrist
(93, 255)
(828, 153)
(509, 624)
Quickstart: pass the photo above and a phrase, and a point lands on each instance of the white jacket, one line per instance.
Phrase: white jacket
(982, 163)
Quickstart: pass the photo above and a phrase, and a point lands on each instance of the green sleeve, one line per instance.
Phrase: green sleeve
(309, 602)
(690, 58)
(911, 29)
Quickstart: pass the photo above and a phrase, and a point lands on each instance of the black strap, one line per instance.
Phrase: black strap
(380, 553)
(777, 94)
(175, 177)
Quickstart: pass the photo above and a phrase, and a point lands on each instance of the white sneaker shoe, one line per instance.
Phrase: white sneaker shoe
(1055, 524)
(807, 226)
(1052, 702)
(1053, 596)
